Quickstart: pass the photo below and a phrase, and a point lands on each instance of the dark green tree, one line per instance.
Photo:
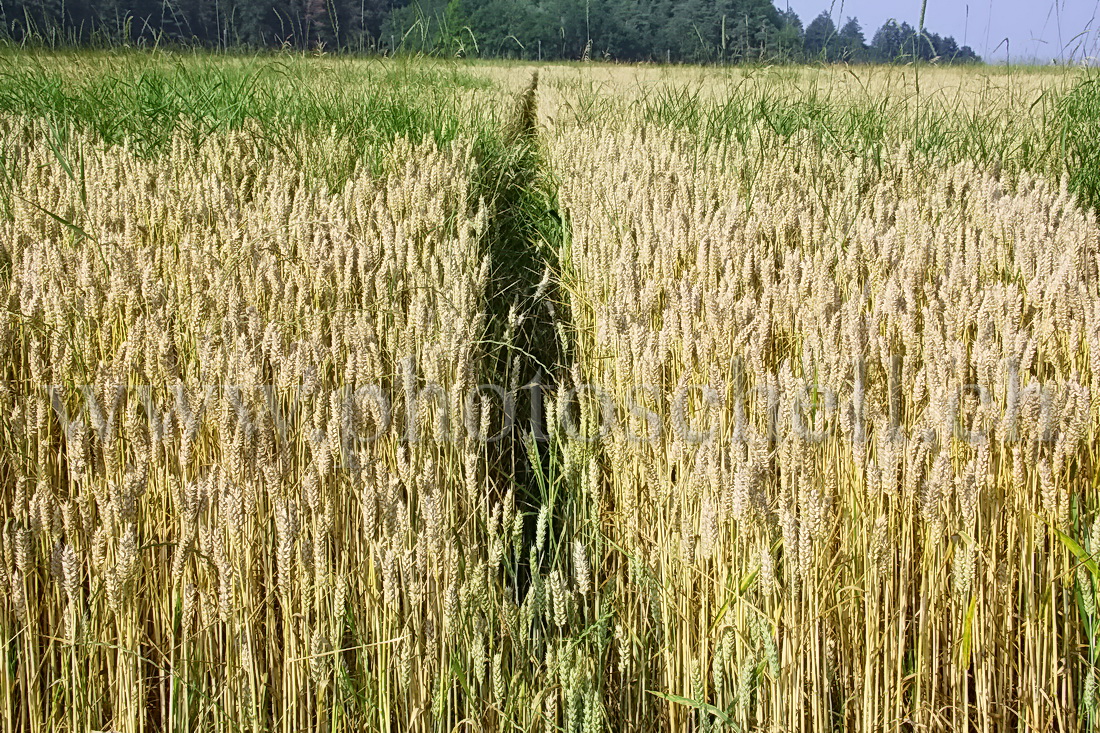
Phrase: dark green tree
(789, 36)
(889, 41)
(820, 41)
(702, 31)
(852, 46)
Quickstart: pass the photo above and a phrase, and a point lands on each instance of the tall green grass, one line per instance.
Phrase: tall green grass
(145, 100)
(1052, 131)
(1078, 118)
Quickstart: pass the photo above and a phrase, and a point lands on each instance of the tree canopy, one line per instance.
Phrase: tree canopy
(696, 31)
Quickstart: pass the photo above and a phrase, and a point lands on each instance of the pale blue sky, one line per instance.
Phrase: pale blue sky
(1036, 29)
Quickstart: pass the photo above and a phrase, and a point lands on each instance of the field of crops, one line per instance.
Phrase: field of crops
(361, 394)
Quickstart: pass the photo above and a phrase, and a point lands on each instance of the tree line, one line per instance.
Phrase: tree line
(695, 31)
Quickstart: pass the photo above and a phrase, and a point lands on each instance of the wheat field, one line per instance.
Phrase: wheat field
(346, 395)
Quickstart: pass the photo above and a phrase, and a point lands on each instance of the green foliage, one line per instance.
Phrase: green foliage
(146, 99)
(1058, 137)
(820, 37)
(693, 31)
(1078, 119)
(895, 42)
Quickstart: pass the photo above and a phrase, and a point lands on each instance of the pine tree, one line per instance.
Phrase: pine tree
(852, 44)
(820, 40)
